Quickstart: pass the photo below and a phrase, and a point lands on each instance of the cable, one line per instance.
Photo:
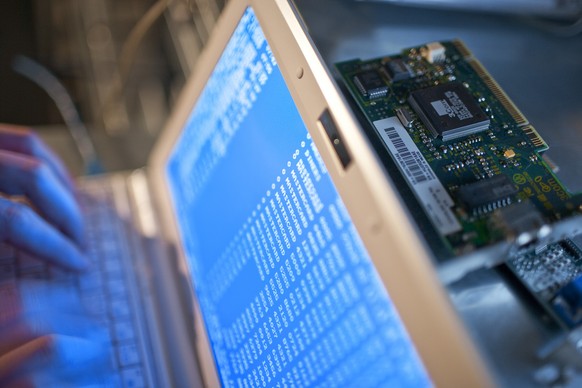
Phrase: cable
(41, 76)
(129, 50)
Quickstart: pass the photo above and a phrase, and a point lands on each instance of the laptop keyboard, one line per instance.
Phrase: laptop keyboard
(103, 290)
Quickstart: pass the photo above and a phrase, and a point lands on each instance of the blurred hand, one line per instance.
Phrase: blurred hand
(46, 339)
(51, 228)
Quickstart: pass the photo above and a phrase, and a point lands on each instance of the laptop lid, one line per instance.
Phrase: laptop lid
(304, 266)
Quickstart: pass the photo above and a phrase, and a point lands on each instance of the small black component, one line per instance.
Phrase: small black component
(523, 223)
(449, 110)
(405, 117)
(573, 245)
(398, 70)
(577, 242)
(487, 194)
(371, 84)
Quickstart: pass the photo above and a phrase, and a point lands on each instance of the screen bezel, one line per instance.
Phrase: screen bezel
(375, 206)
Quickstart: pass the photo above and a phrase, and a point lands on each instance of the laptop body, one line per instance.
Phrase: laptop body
(295, 260)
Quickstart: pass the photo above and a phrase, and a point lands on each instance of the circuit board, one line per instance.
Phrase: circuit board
(472, 160)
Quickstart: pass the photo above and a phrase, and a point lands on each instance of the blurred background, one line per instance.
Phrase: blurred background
(80, 42)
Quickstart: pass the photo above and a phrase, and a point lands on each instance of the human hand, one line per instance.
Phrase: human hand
(47, 340)
(53, 231)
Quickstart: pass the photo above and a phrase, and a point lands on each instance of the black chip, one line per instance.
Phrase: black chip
(398, 70)
(577, 241)
(449, 110)
(488, 194)
(371, 84)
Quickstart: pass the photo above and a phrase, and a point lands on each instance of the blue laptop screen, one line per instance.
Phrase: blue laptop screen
(286, 288)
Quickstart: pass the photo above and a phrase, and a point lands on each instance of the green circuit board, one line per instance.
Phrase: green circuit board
(469, 156)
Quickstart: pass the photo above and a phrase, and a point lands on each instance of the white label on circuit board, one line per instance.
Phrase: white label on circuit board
(428, 189)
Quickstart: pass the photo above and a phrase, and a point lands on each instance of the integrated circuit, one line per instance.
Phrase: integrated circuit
(398, 70)
(487, 194)
(576, 244)
(449, 111)
(370, 84)
(522, 222)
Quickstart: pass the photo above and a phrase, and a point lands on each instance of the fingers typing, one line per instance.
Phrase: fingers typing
(25, 175)
(25, 229)
(25, 141)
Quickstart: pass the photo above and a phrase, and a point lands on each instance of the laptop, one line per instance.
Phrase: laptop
(268, 247)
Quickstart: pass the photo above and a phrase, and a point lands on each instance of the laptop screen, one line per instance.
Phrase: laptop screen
(286, 288)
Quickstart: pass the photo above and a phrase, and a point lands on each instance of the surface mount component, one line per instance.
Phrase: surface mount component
(449, 111)
(405, 117)
(398, 70)
(370, 84)
(488, 194)
(522, 222)
(433, 52)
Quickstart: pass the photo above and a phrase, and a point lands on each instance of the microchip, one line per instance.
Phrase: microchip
(488, 194)
(449, 110)
(577, 241)
(398, 70)
(522, 222)
(371, 84)
(573, 246)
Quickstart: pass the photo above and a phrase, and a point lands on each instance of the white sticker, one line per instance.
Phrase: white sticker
(441, 107)
(428, 189)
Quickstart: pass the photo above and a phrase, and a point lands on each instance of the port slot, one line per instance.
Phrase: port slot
(334, 136)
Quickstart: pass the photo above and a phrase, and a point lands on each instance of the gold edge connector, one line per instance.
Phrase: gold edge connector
(462, 49)
(498, 92)
(535, 138)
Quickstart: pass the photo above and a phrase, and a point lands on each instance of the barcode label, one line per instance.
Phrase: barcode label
(412, 166)
(427, 187)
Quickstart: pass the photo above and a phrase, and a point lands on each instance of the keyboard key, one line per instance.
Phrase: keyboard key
(112, 264)
(90, 281)
(116, 287)
(6, 253)
(133, 377)
(93, 254)
(123, 331)
(60, 275)
(119, 309)
(95, 303)
(128, 355)
(7, 271)
(106, 339)
(38, 274)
